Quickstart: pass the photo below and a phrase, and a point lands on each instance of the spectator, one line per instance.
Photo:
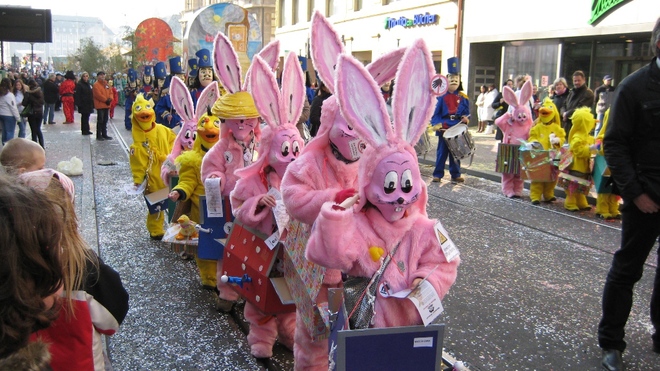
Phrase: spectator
(560, 95)
(84, 100)
(19, 93)
(579, 96)
(633, 155)
(491, 94)
(501, 107)
(30, 271)
(386, 90)
(20, 155)
(50, 93)
(35, 97)
(67, 88)
(604, 95)
(536, 101)
(315, 109)
(59, 79)
(8, 110)
(102, 98)
(481, 109)
(115, 98)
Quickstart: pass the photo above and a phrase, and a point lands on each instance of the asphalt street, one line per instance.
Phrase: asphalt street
(527, 296)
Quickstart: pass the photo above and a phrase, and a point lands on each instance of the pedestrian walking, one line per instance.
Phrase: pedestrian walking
(84, 100)
(19, 93)
(67, 88)
(632, 153)
(50, 93)
(35, 97)
(102, 98)
(8, 110)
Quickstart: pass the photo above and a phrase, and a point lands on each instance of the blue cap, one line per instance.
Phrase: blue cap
(175, 65)
(607, 77)
(132, 75)
(168, 81)
(204, 56)
(159, 70)
(147, 70)
(453, 67)
(192, 67)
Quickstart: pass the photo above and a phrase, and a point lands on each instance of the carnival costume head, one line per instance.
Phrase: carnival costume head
(204, 68)
(143, 116)
(160, 73)
(389, 176)
(132, 77)
(453, 74)
(147, 76)
(192, 72)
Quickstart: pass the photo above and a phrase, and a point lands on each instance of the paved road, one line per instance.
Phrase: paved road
(527, 296)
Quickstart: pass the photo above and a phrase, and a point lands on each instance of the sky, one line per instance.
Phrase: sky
(114, 13)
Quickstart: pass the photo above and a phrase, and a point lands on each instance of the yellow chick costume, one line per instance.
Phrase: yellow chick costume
(151, 144)
(191, 186)
(580, 144)
(548, 122)
(607, 204)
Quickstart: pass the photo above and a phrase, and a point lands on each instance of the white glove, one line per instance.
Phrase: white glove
(553, 139)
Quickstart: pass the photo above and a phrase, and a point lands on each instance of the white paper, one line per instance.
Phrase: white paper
(424, 297)
(279, 211)
(448, 247)
(214, 207)
(423, 342)
(273, 240)
(131, 190)
(169, 165)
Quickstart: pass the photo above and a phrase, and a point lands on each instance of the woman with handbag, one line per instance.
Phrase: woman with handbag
(8, 110)
(35, 98)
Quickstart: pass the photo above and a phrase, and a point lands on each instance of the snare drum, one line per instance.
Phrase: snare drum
(459, 141)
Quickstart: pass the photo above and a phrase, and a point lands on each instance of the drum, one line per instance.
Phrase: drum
(459, 141)
(508, 159)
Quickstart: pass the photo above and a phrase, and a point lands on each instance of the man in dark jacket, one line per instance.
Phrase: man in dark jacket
(579, 96)
(51, 92)
(84, 100)
(632, 151)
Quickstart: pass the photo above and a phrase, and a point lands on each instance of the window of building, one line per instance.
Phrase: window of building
(385, 2)
(335, 7)
(357, 5)
(296, 10)
(285, 14)
(535, 58)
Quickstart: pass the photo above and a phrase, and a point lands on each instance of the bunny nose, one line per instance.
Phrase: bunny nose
(400, 200)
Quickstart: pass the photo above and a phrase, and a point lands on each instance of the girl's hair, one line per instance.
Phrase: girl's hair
(75, 250)
(22, 89)
(30, 263)
(5, 86)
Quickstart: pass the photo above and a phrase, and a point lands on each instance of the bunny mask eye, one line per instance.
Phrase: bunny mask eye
(296, 148)
(188, 134)
(285, 148)
(390, 182)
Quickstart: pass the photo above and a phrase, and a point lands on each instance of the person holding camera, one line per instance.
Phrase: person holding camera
(103, 96)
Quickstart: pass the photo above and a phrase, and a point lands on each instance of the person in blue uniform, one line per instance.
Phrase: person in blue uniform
(165, 113)
(205, 74)
(192, 73)
(160, 74)
(130, 92)
(451, 109)
(147, 77)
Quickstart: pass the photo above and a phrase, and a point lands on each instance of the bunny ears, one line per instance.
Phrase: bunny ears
(525, 94)
(362, 104)
(275, 107)
(183, 104)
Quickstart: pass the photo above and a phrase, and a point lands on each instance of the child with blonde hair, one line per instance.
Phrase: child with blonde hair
(95, 301)
(20, 155)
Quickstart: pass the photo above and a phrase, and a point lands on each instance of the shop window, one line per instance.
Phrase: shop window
(577, 56)
(535, 58)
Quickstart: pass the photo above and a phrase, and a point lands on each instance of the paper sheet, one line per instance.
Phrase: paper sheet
(213, 198)
(424, 297)
(131, 190)
(279, 211)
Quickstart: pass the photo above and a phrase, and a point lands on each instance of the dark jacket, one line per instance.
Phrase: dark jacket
(315, 112)
(51, 92)
(577, 97)
(36, 99)
(560, 101)
(603, 97)
(632, 139)
(83, 97)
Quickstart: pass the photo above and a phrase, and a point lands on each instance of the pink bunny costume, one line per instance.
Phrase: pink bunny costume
(392, 192)
(515, 127)
(322, 171)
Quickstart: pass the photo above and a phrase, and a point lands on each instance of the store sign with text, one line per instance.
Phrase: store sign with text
(416, 20)
(600, 8)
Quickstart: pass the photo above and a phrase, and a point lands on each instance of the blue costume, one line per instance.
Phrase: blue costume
(145, 89)
(160, 73)
(448, 112)
(203, 61)
(165, 113)
(192, 72)
(130, 92)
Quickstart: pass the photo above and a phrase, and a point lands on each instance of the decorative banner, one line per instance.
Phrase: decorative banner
(233, 21)
(154, 38)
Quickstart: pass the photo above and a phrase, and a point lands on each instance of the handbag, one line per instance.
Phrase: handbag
(27, 110)
(360, 295)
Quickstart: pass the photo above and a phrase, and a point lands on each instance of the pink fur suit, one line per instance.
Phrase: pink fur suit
(515, 127)
(326, 171)
(251, 203)
(240, 131)
(390, 213)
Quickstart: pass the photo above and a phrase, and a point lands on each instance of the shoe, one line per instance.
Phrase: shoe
(552, 199)
(612, 360)
(100, 139)
(222, 305)
(515, 196)
(436, 180)
(156, 238)
(458, 179)
(107, 137)
(87, 133)
(585, 208)
(52, 123)
(536, 202)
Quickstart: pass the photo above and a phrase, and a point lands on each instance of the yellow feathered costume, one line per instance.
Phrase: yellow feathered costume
(607, 204)
(546, 125)
(151, 144)
(580, 143)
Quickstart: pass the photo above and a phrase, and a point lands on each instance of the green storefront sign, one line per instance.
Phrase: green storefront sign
(599, 8)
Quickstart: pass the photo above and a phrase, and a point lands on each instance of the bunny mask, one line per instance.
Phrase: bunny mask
(389, 176)
(326, 46)
(521, 113)
(183, 104)
(281, 142)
